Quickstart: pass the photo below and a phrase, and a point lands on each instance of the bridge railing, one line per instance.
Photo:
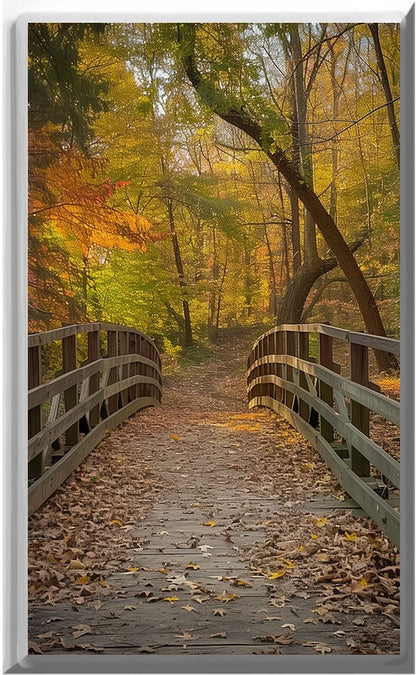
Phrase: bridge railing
(331, 411)
(83, 380)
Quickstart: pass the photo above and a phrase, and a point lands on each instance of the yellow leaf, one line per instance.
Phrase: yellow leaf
(116, 522)
(171, 598)
(192, 566)
(189, 608)
(76, 565)
(196, 504)
(350, 536)
(132, 569)
(103, 583)
(277, 575)
(314, 536)
(175, 437)
(210, 523)
(289, 564)
(240, 582)
(300, 548)
(82, 581)
(363, 583)
(321, 522)
(162, 570)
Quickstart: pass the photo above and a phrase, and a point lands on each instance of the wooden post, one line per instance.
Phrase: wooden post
(360, 415)
(122, 349)
(94, 354)
(325, 391)
(35, 468)
(112, 350)
(132, 346)
(291, 351)
(303, 353)
(69, 362)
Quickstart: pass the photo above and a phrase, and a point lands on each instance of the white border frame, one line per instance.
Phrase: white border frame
(14, 344)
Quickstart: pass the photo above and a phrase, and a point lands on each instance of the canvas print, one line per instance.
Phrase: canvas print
(213, 350)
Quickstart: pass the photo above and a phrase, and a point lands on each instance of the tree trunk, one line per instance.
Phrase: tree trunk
(181, 276)
(387, 91)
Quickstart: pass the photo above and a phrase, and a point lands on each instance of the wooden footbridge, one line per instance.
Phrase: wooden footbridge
(187, 587)
(108, 372)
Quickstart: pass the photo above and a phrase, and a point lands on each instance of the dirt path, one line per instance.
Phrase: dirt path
(200, 527)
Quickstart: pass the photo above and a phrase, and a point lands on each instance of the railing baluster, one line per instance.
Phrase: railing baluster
(94, 353)
(360, 415)
(69, 362)
(36, 467)
(112, 350)
(325, 390)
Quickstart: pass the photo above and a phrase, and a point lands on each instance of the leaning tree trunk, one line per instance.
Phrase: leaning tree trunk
(181, 275)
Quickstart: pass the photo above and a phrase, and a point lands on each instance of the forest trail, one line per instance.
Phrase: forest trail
(201, 527)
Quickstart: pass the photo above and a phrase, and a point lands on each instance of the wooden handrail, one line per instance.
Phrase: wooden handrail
(71, 410)
(319, 402)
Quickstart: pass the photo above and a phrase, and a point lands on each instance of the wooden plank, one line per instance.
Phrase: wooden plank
(325, 390)
(38, 339)
(112, 349)
(94, 353)
(36, 466)
(360, 414)
(69, 361)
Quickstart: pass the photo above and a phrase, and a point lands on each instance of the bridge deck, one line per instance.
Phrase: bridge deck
(182, 585)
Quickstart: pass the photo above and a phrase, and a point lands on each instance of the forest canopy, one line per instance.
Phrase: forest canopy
(189, 177)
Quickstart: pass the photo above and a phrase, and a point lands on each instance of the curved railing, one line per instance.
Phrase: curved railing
(83, 381)
(331, 411)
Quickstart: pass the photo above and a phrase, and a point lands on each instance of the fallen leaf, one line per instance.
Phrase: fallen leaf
(359, 621)
(116, 522)
(240, 582)
(289, 625)
(314, 536)
(321, 522)
(322, 648)
(129, 608)
(104, 584)
(219, 635)
(196, 504)
(82, 581)
(350, 536)
(76, 564)
(171, 598)
(192, 566)
(45, 636)
(143, 594)
(339, 633)
(133, 569)
(82, 629)
(277, 575)
(34, 647)
(219, 611)
(189, 608)
(145, 650)
(210, 523)
(272, 618)
(163, 570)
(186, 636)
(225, 597)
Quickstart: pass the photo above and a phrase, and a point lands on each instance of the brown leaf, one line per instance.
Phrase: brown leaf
(219, 611)
(82, 629)
(219, 635)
